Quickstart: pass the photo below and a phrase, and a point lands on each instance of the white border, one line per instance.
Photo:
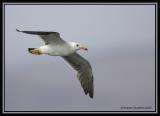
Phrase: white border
(94, 3)
(156, 65)
(3, 57)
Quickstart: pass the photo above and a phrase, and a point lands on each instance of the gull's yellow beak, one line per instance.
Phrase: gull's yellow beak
(83, 48)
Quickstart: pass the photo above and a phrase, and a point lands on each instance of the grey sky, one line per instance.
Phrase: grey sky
(121, 43)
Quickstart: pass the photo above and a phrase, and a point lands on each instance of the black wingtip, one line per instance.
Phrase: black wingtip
(91, 96)
(18, 30)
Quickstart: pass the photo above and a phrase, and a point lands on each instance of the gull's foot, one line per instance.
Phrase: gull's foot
(34, 51)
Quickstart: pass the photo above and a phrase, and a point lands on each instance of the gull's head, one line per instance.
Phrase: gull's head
(78, 46)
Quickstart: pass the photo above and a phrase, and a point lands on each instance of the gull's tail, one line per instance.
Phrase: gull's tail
(30, 50)
(34, 51)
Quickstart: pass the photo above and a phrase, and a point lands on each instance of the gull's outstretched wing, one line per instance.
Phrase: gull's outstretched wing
(47, 37)
(84, 69)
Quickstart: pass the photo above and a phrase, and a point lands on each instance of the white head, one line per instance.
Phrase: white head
(77, 46)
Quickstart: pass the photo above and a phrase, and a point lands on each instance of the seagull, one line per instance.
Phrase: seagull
(56, 46)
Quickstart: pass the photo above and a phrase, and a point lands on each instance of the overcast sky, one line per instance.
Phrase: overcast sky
(121, 43)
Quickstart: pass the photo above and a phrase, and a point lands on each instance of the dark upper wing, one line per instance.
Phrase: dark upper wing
(47, 37)
(84, 69)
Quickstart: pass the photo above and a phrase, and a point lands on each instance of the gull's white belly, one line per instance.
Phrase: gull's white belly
(57, 50)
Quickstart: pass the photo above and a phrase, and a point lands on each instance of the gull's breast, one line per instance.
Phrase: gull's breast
(60, 50)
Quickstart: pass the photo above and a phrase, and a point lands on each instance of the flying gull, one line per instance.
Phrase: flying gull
(56, 46)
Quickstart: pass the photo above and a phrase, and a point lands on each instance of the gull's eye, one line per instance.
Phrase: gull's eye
(77, 45)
